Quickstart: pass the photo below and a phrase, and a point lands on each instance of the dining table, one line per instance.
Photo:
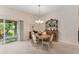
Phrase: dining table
(43, 37)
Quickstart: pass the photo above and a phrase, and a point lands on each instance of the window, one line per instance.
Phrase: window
(8, 31)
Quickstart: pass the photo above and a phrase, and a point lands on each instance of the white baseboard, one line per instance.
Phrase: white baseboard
(76, 44)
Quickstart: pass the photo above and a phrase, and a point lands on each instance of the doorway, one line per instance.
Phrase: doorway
(8, 31)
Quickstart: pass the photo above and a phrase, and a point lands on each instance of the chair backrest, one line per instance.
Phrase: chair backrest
(51, 38)
(33, 37)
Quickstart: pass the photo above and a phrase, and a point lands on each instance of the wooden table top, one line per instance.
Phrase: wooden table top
(43, 36)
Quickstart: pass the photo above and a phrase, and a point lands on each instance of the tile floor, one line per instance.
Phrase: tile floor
(26, 47)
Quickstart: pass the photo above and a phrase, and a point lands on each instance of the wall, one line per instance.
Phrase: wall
(8, 13)
(67, 22)
(78, 18)
(67, 16)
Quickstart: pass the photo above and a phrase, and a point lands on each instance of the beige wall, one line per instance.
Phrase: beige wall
(67, 22)
(7, 13)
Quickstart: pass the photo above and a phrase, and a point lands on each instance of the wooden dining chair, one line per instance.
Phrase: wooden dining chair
(49, 42)
(51, 39)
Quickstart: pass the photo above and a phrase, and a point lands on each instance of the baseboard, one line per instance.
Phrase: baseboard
(69, 43)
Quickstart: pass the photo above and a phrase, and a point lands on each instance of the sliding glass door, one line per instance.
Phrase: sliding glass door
(8, 31)
(1, 30)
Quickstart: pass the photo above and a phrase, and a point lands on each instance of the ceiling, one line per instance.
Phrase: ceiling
(34, 9)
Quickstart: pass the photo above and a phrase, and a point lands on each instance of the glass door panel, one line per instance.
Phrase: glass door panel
(1, 30)
(10, 31)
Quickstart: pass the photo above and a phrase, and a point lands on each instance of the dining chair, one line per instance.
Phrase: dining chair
(33, 37)
(51, 40)
(35, 40)
(48, 43)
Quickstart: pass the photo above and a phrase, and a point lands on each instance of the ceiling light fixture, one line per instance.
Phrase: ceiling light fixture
(39, 21)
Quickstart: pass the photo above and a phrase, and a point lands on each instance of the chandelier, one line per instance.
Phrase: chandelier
(39, 21)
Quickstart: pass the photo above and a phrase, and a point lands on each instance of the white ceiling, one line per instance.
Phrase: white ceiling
(34, 9)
